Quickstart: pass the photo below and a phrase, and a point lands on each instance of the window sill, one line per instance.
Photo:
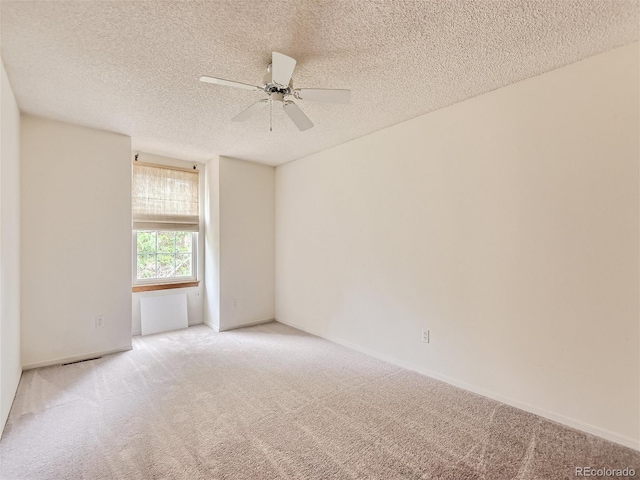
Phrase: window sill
(163, 286)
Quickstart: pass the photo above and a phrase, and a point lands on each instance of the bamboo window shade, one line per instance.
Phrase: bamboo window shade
(164, 198)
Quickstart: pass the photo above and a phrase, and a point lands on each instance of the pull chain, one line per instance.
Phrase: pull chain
(271, 115)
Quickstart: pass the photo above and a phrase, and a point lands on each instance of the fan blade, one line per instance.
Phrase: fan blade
(252, 110)
(323, 95)
(228, 83)
(297, 116)
(282, 69)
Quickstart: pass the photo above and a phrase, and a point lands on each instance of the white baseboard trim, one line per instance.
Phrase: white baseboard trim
(13, 399)
(75, 358)
(139, 332)
(562, 419)
(212, 326)
(248, 324)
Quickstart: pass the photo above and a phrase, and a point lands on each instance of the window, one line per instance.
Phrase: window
(165, 224)
(165, 256)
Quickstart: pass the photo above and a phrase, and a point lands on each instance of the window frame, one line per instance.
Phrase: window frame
(163, 280)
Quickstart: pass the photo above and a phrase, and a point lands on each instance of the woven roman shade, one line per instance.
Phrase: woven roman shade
(164, 199)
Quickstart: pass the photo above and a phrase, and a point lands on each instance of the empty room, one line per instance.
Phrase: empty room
(319, 239)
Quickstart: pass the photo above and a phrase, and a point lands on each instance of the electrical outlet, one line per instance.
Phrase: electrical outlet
(425, 336)
(100, 321)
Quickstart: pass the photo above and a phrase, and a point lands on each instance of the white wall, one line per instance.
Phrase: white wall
(507, 225)
(195, 307)
(245, 204)
(247, 243)
(10, 367)
(212, 244)
(76, 241)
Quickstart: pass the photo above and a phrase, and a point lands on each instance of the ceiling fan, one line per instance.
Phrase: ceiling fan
(277, 84)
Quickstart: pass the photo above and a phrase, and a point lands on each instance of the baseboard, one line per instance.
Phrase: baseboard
(15, 392)
(213, 327)
(248, 324)
(139, 332)
(75, 358)
(562, 419)
(216, 328)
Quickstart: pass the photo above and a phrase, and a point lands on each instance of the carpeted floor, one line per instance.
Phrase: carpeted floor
(271, 402)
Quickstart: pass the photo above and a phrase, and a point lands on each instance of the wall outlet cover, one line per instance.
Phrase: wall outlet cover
(425, 336)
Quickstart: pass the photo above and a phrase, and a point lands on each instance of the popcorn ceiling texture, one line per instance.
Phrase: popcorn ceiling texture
(133, 67)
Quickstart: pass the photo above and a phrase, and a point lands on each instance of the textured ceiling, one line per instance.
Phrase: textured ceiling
(133, 67)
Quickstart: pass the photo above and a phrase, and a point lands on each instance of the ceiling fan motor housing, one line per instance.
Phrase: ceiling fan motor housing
(271, 87)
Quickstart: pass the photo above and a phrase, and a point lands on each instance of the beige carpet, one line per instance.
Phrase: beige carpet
(271, 402)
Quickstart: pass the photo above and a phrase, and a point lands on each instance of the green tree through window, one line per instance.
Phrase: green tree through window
(164, 255)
